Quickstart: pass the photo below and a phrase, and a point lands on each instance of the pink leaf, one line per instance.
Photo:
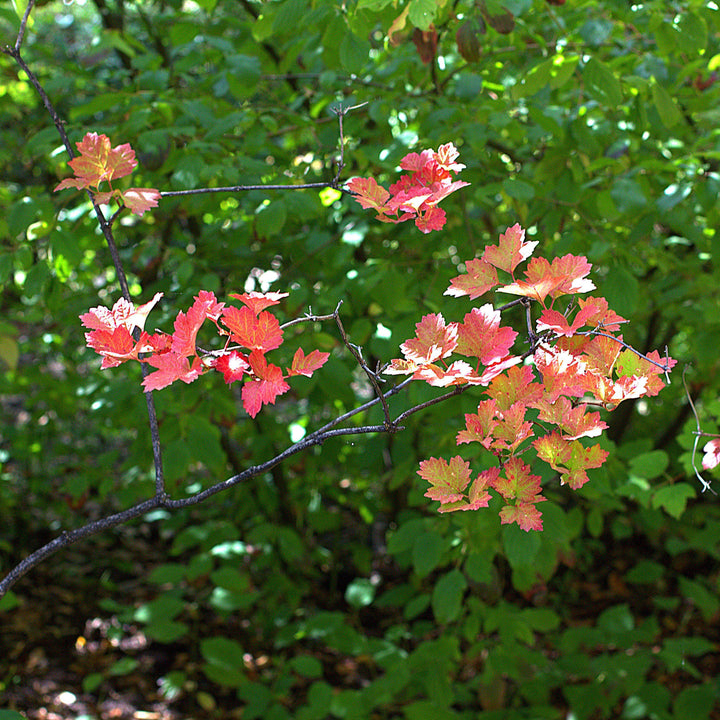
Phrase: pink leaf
(139, 200)
(307, 364)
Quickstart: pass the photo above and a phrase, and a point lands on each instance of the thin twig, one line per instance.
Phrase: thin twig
(698, 433)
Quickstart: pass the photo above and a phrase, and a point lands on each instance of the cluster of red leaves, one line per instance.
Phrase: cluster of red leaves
(250, 332)
(414, 196)
(98, 163)
(576, 363)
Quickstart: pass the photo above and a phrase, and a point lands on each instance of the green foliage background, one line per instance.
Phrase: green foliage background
(331, 587)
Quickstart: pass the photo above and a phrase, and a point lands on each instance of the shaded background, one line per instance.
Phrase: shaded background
(331, 587)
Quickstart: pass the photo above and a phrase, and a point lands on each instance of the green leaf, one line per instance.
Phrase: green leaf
(447, 596)
(289, 17)
(665, 105)
(354, 52)
(692, 33)
(224, 661)
(673, 498)
(602, 84)
(427, 552)
(695, 702)
(651, 464)
(421, 13)
(374, 5)
(520, 547)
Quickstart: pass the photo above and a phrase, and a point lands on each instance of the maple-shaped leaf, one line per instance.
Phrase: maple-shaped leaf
(478, 278)
(562, 372)
(233, 365)
(98, 162)
(401, 367)
(447, 480)
(123, 313)
(139, 200)
(565, 275)
(569, 457)
(479, 426)
(601, 353)
(171, 367)
(711, 457)
(307, 364)
(369, 194)
(612, 392)
(433, 340)
(526, 515)
(630, 363)
(212, 308)
(267, 386)
(446, 156)
(480, 335)
(516, 385)
(457, 373)
(415, 162)
(512, 428)
(593, 312)
(510, 251)
(258, 301)
(432, 219)
(518, 483)
(116, 346)
(156, 343)
(187, 326)
(477, 496)
(574, 422)
(255, 332)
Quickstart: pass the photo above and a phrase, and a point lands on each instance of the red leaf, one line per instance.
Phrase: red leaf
(593, 313)
(562, 372)
(458, 373)
(565, 275)
(123, 313)
(479, 426)
(307, 364)
(446, 156)
(512, 428)
(116, 346)
(433, 340)
(98, 162)
(601, 354)
(432, 219)
(517, 385)
(171, 367)
(447, 480)
(510, 251)
(232, 365)
(481, 336)
(574, 422)
(526, 515)
(569, 457)
(257, 301)
(139, 200)
(187, 325)
(517, 482)
(479, 277)
(369, 194)
(261, 332)
(266, 388)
